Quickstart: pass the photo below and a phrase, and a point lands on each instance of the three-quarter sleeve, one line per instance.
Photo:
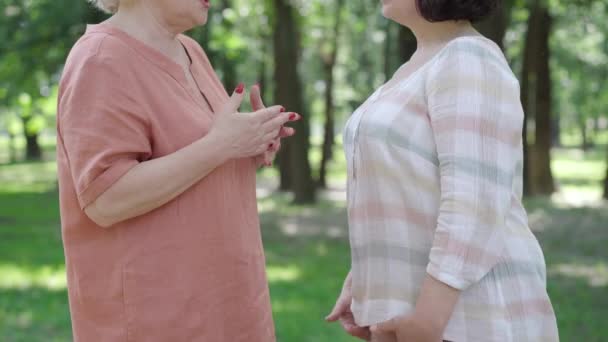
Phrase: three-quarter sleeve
(104, 134)
(476, 119)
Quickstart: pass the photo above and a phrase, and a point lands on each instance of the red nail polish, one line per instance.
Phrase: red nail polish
(239, 89)
(292, 116)
(270, 146)
(282, 109)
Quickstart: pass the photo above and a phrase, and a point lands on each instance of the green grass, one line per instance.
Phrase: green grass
(579, 175)
(307, 254)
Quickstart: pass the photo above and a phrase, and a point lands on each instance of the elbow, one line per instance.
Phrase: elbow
(101, 214)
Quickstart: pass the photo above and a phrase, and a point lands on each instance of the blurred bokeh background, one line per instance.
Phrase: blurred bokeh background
(321, 58)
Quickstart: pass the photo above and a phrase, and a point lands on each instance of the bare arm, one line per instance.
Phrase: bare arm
(436, 303)
(153, 183)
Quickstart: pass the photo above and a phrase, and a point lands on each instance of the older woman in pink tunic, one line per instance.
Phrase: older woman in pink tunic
(157, 184)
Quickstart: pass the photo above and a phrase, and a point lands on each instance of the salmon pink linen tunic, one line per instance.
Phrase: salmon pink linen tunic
(191, 270)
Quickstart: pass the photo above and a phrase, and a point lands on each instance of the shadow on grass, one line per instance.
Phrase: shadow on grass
(581, 309)
(580, 182)
(34, 314)
(305, 275)
(30, 231)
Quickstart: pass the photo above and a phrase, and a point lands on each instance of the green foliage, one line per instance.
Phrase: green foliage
(36, 35)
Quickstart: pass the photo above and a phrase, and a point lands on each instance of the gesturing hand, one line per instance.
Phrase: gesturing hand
(342, 313)
(243, 135)
(267, 157)
(409, 328)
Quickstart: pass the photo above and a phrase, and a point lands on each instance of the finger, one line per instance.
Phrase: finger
(269, 158)
(277, 145)
(235, 100)
(353, 329)
(267, 114)
(286, 132)
(362, 333)
(337, 311)
(280, 120)
(260, 160)
(388, 326)
(255, 97)
(269, 138)
(272, 146)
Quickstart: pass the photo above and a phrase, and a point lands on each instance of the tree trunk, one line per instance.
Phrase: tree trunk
(495, 26)
(606, 177)
(262, 74)
(294, 166)
(328, 67)
(528, 68)
(12, 151)
(407, 44)
(388, 51)
(543, 179)
(584, 138)
(536, 100)
(228, 65)
(33, 150)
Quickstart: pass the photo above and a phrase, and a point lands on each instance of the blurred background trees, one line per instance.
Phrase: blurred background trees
(322, 58)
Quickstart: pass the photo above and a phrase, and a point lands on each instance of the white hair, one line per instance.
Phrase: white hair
(109, 6)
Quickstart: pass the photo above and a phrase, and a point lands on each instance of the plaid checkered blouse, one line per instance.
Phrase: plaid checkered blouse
(435, 186)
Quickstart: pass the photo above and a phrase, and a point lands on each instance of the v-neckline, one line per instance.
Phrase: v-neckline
(161, 60)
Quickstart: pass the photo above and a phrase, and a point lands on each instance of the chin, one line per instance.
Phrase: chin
(201, 19)
(387, 11)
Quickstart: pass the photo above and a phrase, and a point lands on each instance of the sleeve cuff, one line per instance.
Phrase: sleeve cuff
(104, 181)
(449, 279)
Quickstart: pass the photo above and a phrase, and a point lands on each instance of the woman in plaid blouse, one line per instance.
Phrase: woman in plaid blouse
(441, 248)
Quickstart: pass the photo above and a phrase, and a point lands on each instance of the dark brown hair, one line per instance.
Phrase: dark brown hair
(444, 10)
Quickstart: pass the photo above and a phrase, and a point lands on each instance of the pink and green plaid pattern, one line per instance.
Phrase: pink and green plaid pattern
(435, 186)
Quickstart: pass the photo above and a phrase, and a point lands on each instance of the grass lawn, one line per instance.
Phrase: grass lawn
(307, 252)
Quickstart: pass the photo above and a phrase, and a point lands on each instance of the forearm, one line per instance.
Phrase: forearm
(436, 303)
(153, 183)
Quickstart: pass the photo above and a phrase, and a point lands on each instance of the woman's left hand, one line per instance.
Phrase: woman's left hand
(266, 158)
(409, 329)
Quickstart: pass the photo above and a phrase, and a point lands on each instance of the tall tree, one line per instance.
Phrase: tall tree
(294, 164)
(328, 58)
(407, 44)
(606, 178)
(495, 26)
(536, 99)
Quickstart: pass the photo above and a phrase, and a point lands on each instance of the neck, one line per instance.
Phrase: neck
(140, 20)
(431, 35)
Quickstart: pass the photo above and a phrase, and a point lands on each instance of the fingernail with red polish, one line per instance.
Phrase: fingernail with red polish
(282, 109)
(239, 89)
(292, 116)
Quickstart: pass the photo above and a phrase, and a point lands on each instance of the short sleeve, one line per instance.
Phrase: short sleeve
(103, 132)
(476, 118)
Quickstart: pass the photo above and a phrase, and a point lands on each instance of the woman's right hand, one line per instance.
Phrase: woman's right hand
(247, 134)
(342, 313)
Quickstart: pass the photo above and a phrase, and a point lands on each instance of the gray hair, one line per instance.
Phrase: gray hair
(108, 6)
